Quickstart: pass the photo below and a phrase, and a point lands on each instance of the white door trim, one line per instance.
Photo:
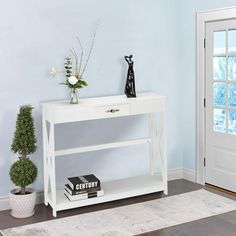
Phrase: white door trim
(202, 18)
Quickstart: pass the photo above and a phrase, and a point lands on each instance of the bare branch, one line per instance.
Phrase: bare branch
(72, 50)
(90, 51)
(82, 53)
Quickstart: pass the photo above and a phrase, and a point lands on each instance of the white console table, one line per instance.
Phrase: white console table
(58, 112)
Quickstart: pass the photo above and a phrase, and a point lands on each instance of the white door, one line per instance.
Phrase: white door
(220, 111)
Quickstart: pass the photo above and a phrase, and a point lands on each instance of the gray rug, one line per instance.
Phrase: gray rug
(133, 219)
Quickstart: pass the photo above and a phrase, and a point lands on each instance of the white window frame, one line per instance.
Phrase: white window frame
(202, 18)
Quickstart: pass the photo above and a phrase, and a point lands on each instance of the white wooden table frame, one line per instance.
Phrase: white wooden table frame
(100, 108)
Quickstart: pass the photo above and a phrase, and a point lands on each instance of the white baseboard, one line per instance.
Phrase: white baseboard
(173, 174)
(187, 174)
(4, 203)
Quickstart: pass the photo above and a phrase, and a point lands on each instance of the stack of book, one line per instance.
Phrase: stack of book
(83, 187)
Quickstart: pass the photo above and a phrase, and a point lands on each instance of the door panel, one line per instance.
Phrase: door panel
(220, 112)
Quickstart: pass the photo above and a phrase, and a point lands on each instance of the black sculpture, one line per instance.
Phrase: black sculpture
(130, 83)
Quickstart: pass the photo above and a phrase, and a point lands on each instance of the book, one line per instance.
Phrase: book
(83, 182)
(84, 196)
(77, 192)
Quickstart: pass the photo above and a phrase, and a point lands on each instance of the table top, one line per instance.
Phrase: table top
(105, 100)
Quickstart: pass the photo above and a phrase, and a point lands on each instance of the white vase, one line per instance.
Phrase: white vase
(22, 205)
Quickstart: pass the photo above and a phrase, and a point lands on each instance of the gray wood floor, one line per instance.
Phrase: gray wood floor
(221, 225)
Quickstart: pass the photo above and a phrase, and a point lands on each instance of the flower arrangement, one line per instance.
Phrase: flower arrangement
(74, 68)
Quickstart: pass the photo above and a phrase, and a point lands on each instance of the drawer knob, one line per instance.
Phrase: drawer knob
(113, 110)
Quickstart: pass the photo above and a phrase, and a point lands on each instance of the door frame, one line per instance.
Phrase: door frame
(204, 17)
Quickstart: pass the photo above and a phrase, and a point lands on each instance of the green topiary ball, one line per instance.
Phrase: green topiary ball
(23, 172)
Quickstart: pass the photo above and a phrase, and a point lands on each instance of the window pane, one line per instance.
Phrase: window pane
(219, 68)
(232, 41)
(232, 122)
(219, 42)
(219, 120)
(232, 95)
(232, 68)
(219, 94)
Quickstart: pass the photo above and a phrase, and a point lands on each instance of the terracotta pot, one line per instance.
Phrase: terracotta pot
(22, 205)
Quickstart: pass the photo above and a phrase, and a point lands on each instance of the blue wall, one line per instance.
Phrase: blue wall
(36, 35)
(161, 36)
(188, 78)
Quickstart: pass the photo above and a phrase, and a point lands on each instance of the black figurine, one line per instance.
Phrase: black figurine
(130, 83)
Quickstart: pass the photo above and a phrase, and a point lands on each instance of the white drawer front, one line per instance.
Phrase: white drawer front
(112, 110)
(72, 115)
(149, 106)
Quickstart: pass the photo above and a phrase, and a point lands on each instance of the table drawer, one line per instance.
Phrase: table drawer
(72, 114)
(148, 106)
(112, 110)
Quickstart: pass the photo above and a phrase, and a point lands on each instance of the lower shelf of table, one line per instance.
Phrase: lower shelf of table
(115, 190)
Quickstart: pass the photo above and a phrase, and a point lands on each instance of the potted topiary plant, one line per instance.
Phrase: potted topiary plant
(23, 172)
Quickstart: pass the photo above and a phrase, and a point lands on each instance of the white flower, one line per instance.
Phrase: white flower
(72, 80)
(54, 72)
